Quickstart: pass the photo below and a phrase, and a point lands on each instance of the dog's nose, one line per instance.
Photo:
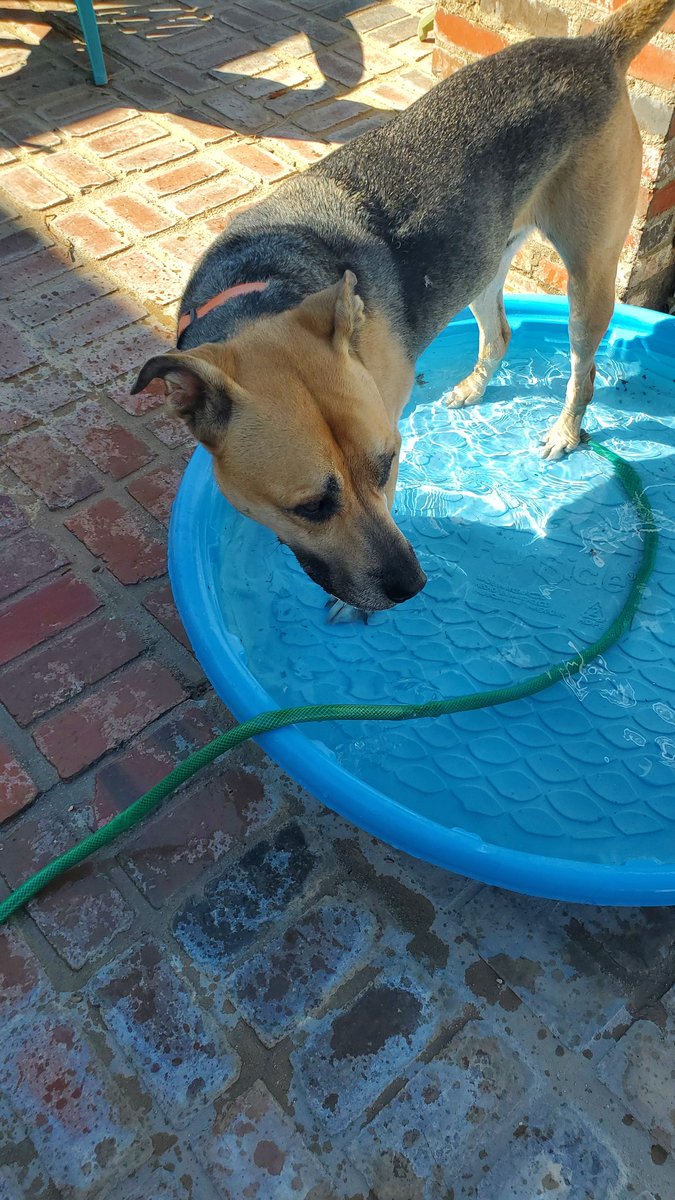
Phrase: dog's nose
(400, 588)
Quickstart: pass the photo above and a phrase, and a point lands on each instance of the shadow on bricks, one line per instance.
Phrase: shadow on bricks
(228, 63)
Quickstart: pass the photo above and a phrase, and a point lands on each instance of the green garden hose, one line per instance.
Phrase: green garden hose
(280, 718)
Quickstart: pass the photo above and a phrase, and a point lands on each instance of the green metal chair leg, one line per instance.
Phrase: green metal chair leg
(92, 37)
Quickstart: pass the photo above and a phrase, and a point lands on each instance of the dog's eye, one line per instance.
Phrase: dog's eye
(321, 509)
(384, 465)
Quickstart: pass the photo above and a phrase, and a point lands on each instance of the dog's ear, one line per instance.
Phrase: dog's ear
(336, 312)
(196, 390)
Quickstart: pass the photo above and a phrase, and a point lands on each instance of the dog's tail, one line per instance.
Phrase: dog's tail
(629, 29)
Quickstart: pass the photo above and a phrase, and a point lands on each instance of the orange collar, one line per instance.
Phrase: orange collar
(240, 289)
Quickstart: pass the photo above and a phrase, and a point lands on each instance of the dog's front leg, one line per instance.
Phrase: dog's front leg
(565, 434)
(495, 335)
(340, 613)
(493, 329)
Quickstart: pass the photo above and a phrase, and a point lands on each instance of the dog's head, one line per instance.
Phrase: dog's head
(302, 442)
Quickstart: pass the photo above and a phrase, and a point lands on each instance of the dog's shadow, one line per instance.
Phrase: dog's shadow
(133, 39)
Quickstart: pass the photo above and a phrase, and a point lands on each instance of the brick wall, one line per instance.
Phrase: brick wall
(468, 29)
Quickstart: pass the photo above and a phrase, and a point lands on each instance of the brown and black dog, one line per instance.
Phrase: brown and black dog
(301, 325)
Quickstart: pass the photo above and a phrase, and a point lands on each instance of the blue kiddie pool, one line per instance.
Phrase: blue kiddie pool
(568, 794)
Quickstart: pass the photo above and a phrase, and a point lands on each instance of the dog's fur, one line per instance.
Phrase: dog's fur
(297, 390)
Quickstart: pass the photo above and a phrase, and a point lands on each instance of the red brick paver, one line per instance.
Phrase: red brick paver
(54, 471)
(22, 981)
(39, 615)
(84, 1131)
(24, 558)
(81, 918)
(89, 234)
(125, 543)
(75, 172)
(142, 217)
(266, 166)
(164, 857)
(26, 186)
(102, 720)
(18, 353)
(16, 786)
(36, 267)
(113, 448)
(65, 667)
(12, 519)
(56, 298)
(160, 603)
(156, 491)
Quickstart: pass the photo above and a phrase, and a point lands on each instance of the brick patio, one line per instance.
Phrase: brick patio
(179, 1018)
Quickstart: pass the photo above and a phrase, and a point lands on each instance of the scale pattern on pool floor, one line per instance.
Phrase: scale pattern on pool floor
(527, 561)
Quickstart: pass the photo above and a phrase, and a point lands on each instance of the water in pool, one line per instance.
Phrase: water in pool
(527, 562)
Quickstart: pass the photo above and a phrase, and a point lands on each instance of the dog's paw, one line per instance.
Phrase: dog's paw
(470, 391)
(560, 440)
(340, 613)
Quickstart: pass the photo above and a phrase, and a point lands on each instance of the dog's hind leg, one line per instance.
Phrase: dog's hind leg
(591, 296)
(494, 332)
(587, 216)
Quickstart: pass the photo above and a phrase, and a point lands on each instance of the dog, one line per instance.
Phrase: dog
(301, 325)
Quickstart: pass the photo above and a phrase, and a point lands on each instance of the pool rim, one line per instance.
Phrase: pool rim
(634, 882)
